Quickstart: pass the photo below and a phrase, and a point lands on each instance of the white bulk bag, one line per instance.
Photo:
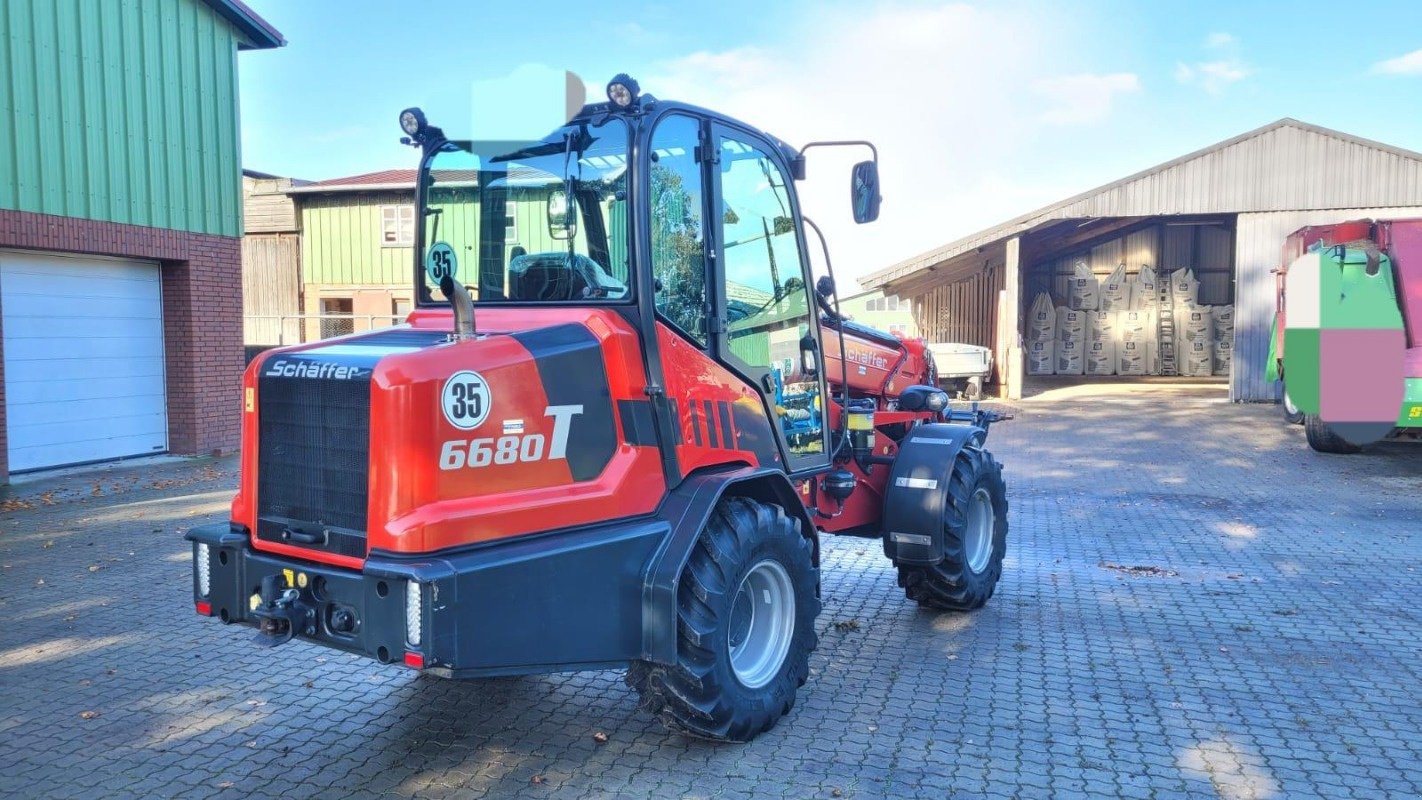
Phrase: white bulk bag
(1070, 358)
(1184, 289)
(1042, 320)
(1199, 359)
(1039, 357)
(1196, 324)
(1101, 326)
(1071, 325)
(1083, 290)
(1131, 358)
(1101, 357)
(1145, 289)
(1116, 290)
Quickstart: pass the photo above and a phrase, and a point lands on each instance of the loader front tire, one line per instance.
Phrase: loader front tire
(746, 608)
(974, 538)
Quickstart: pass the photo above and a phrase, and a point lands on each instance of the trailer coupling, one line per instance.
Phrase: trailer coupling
(280, 612)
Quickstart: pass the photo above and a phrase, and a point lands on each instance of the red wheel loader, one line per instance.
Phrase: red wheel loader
(614, 443)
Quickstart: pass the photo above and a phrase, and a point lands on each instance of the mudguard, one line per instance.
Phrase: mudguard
(918, 490)
(687, 510)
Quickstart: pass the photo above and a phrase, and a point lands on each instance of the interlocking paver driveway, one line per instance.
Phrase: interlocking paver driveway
(1194, 605)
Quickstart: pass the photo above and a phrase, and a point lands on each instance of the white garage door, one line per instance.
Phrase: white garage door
(83, 359)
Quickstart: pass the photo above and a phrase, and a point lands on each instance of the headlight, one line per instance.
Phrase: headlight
(414, 608)
(203, 562)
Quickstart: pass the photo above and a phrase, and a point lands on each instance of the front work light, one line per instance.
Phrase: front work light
(412, 121)
(622, 90)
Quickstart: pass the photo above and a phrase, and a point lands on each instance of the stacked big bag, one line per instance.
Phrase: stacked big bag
(1111, 326)
(1041, 336)
(1205, 340)
(1224, 338)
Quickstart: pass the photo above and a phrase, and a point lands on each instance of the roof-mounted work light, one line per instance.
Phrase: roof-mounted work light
(622, 90)
(412, 122)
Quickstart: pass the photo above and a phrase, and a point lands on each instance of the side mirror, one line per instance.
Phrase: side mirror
(864, 191)
(562, 216)
(824, 287)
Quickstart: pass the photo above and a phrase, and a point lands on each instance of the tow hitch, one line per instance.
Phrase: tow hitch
(282, 613)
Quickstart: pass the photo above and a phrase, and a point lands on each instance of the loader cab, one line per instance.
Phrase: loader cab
(667, 214)
(728, 267)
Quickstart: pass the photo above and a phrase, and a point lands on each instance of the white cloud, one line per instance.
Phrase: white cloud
(1219, 39)
(1081, 99)
(948, 93)
(1216, 74)
(1409, 64)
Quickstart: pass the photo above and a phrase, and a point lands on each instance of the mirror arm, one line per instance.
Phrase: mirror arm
(797, 167)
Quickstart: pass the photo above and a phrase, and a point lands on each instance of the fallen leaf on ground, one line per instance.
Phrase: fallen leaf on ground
(600, 737)
(536, 779)
(1149, 570)
(88, 714)
(846, 625)
(93, 567)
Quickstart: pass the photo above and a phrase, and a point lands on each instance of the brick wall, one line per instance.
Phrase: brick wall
(202, 316)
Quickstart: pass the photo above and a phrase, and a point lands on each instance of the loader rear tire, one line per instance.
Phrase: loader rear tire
(1322, 438)
(974, 538)
(746, 608)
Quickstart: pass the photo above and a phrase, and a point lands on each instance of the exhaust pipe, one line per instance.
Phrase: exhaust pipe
(463, 306)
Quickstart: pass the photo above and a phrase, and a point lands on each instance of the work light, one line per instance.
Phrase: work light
(622, 90)
(412, 121)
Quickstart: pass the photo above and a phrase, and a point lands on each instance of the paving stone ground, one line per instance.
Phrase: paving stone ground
(1194, 605)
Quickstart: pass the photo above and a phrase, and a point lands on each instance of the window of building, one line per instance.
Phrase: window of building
(898, 329)
(336, 319)
(510, 225)
(400, 308)
(397, 226)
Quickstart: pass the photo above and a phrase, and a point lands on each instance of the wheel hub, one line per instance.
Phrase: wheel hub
(977, 535)
(761, 624)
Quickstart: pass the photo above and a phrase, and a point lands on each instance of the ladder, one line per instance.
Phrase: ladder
(1165, 333)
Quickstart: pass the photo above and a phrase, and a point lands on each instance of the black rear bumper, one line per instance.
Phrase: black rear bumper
(547, 603)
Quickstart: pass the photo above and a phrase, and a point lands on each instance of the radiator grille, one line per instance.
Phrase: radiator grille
(313, 450)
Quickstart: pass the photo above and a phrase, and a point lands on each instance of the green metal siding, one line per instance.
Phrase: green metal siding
(120, 111)
(341, 237)
(341, 241)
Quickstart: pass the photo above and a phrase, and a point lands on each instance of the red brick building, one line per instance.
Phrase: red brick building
(120, 226)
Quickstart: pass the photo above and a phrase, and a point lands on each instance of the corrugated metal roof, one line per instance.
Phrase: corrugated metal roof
(1285, 166)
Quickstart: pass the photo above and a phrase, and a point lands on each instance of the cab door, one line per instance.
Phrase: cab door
(766, 328)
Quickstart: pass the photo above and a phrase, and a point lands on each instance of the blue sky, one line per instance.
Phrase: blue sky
(982, 110)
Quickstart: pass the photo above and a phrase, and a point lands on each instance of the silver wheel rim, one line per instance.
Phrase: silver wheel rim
(762, 624)
(1289, 405)
(977, 538)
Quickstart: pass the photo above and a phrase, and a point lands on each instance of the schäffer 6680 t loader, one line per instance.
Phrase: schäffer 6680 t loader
(612, 443)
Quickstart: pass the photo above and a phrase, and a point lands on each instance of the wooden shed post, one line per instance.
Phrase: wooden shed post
(1009, 321)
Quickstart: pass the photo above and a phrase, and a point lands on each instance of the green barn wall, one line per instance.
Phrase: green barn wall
(341, 237)
(120, 111)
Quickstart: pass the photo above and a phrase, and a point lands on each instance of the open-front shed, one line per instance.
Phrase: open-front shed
(1221, 213)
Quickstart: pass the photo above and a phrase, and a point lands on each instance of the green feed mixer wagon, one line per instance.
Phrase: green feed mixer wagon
(1367, 264)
